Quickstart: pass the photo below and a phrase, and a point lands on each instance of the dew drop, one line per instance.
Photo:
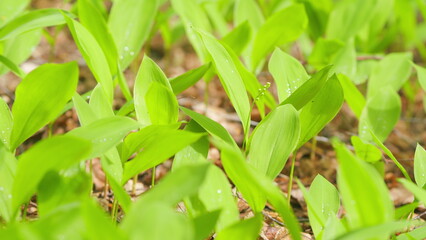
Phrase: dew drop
(126, 48)
(9, 196)
(1, 188)
(121, 57)
(219, 191)
(132, 53)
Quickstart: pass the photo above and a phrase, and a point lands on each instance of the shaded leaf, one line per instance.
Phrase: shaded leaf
(246, 229)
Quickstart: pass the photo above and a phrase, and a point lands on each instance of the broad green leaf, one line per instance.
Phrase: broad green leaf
(348, 17)
(148, 222)
(157, 144)
(6, 123)
(393, 70)
(40, 98)
(91, 17)
(325, 201)
(216, 17)
(188, 79)
(212, 127)
(345, 60)
(418, 233)
(238, 38)
(321, 110)
(364, 194)
(12, 66)
(404, 211)
(20, 48)
(130, 22)
(252, 84)
(366, 151)
(229, 77)
(105, 133)
(421, 76)
(246, 229)
(273, 140)
(56, 190)
(420, 166)
(204, 224)
(33, 20)
(248, 10)
(324, 52)
(112, 164)
(353, 96)
(193, 17)
(148, 72)
(161, 104)
(318, 16)
(120, 193)
(85, 113)
(380, 115)
(379, 231)
(52, 154)
(100, 104)
(215, 192)
(93, 55)
(97, 223)
(288, 73)
(9, 9)
(274, 33)
(8, 165)
(308, 90)
(255, 188)
(418, 192)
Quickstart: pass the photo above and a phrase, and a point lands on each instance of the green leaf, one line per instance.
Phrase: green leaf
(353, 96)
(157, 144)
(130, 23)
(248, 10)
(255, 188)
(238, 38)
(105, 133)
(188, 79)
(366, 151)
(12, 66)
(212, 127)
(161, 104)
(85, 113)
(324, 52)
(420, 166)
(193, 17)
(288, 73)
(273, 140)
(246, 229)
(100, 104)
(321, 110)
(140, 221)
(418, 233)
(33, 20)
(418, 192)
(421, 76)
(308, 90)
(348, 17)
(52, 154)
(229, 77)
(91, 17)
(392, 71)
(204, 224)
(274, 33)
(364, 194)
(148, 72)
(6, 123)
(9, 9)
(380, 115)
(325, 201)
(379, 231)
(93, 55)
(40, 98)
(8, 165)
(215, 192)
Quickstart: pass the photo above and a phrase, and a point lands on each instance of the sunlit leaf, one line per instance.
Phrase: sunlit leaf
(420, 166)
(246, 229)
(273, 140)
(40, 98)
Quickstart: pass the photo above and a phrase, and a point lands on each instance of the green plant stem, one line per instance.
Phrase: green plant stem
(313, 147)
(123, 85)
(153, 177)
(114, 211)
(290, 182)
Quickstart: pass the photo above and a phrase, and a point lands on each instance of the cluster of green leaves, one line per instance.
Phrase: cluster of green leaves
(147, 130)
